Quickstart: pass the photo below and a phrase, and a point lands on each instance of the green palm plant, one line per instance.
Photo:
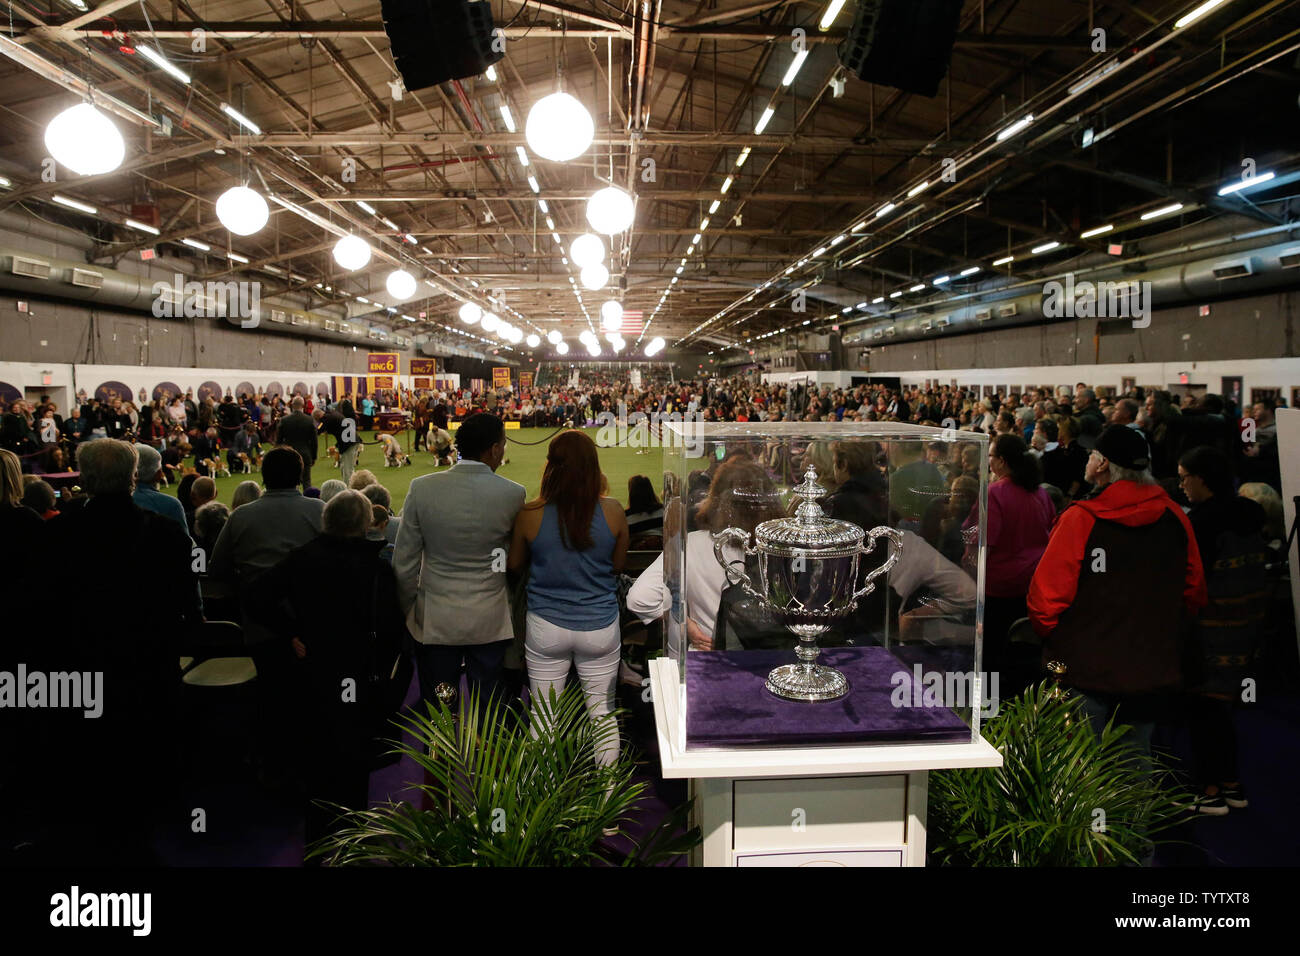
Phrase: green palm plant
(501, 792)
(1063, 796)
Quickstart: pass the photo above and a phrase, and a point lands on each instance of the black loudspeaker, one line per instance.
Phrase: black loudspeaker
(434, 41)
(902, 43)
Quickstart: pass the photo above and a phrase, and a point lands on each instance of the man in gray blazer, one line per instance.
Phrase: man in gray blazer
(450, 562)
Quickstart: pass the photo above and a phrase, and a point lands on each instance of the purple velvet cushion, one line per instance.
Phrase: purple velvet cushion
(729, 706)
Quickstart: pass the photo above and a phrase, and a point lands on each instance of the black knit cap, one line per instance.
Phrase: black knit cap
(1126, 447)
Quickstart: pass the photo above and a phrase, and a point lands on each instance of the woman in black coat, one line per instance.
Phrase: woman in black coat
(336, 601)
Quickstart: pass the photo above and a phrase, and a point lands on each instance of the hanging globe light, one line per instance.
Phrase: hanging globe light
(490, 322)
(470, 313)
(586, 249)
(656, 345)
(593, 349)
(554, 337)
(400, 284)
(562, 347)
(594, 276)
(610, 211)
(586, 337)
(242, 210)
(611, 316)
(559, 128)
(352, 252)
(534, 340)
(503, 331)
(85, 140)
(618, 343)
(515, 335)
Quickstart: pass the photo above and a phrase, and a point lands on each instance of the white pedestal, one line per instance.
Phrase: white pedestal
(813, 806)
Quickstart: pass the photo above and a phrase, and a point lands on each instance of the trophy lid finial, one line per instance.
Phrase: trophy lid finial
(808, 491)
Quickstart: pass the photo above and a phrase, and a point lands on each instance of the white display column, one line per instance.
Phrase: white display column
(810, 806)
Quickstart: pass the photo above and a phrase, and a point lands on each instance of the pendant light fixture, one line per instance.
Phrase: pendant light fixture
(85, 140)
(610, 211)
(242, 210)
(352, 252)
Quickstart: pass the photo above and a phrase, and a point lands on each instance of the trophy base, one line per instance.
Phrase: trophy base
(809, 682)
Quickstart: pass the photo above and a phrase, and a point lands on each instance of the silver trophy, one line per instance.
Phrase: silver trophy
(807, 569)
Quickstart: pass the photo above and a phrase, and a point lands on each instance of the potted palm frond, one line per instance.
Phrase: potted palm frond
(501, 791)
(1063, 796)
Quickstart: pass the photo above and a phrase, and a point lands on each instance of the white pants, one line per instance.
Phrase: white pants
(550, 649)
(348, 462)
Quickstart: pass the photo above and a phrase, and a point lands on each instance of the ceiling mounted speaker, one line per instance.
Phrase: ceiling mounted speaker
(905, 44)
(434, 41)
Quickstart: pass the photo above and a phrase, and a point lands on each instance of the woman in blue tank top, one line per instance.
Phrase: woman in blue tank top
(574, 541)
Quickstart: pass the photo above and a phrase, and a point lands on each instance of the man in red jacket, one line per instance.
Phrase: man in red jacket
(1113, 594)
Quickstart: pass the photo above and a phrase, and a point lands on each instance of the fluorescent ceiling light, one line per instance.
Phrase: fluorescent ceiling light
(507, 118)
(838, 239)
(704, 223)
(389, 223)
(1245, 183)
(241, 119)
(714, 208)
(1015, 128)
(885, 210)
(697, 238)
(73, 204)
(491, 73)
(1162, 211)
(236, 257)
(895, 295)
(859, 226)
(877, 300)
(726, 184)
(764, 120)
(1189, 18)
(861, 305)
(410, 238)
(541, 204)
(143, 227)
(556, 237)
(162, 62)
(690, 249)
(679, 269)
(971, 271)
(203, 246)
(550, 223)
(820, 251)
(917, 288)
(1004, 260)
(941, 280)
(794, 67)
(522, 154)
(831, 13)
(4, 181)
(744, 155)
(1096, 232)
(1045, 247)
(1094, 76)
(532, 182)
(366, 206)
(917, 190)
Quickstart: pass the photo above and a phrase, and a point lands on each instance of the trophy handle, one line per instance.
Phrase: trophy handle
(735, 575)
(869, 546)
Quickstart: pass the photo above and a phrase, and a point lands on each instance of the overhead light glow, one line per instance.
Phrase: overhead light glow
(1096, 232)
(541, 204)
(970, 271)
(352, 252)
(522, 154)
(400, 284)
(162, 62)
(142, 226)
(1162, 211)
(534, 340)
(389, 223)
(1015, 128)
(791, 73)
(594, 276)
(202, 246)
(818, 252)
(744, 155)
(559, 128)
(610, 210)
(895, 295)
(366, 206)
(1045, 247)
(562, 347)
(1247, 183)
(714, 207)
(1189, 18)
(507, 117)
(941, 280)
(831, 13)
(236, 257)
(241, 119)
(917, 288)
(1004, 260)
(532, 184)
(726, 184)
(85, 140)
(1094, 77)
(73, 204)
(491, 73)
(877, 300)
(885, 210)
(764, 120)
(704, 223)
(917, 190)
(470, 313)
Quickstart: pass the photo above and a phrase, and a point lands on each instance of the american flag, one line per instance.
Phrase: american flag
(632, 322)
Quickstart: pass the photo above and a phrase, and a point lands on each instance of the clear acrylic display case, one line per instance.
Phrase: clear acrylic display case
(908, 655)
